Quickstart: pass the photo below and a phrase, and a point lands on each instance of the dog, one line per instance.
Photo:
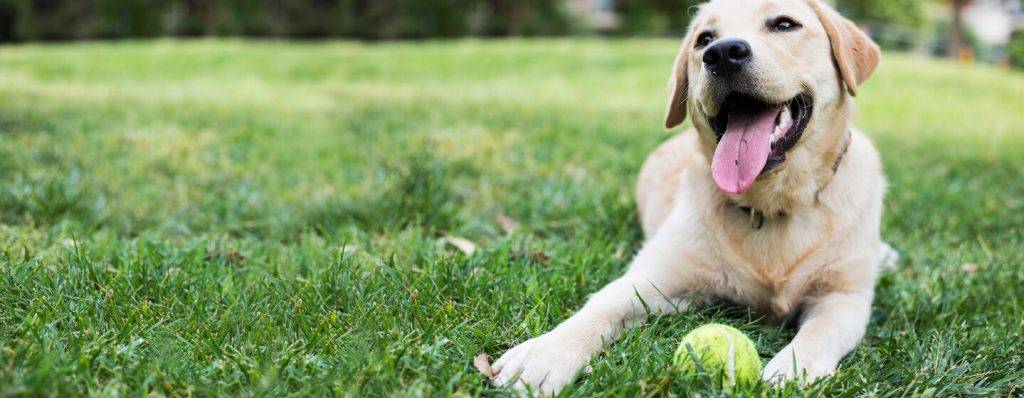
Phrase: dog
(773, 200)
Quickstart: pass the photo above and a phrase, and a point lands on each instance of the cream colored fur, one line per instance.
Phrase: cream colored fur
(817, 253)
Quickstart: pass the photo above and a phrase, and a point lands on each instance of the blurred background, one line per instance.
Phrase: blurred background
(983, 30)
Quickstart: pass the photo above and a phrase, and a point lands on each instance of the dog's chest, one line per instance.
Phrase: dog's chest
(772, 265)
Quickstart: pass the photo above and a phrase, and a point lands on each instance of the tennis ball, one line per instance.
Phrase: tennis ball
(719, 350)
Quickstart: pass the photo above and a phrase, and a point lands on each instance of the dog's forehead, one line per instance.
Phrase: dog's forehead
(727, 14)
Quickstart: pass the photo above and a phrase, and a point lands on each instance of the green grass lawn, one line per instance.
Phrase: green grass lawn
(260, 218)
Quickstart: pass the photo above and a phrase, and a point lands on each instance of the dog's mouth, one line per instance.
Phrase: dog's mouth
(754, 137)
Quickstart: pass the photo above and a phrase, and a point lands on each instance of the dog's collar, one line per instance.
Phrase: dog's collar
(837, 163)
(757, 217)
(842, 154)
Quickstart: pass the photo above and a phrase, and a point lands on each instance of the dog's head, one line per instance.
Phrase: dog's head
(766, 84)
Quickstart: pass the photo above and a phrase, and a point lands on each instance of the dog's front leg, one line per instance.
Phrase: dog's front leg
(653, 284)
(831, 327)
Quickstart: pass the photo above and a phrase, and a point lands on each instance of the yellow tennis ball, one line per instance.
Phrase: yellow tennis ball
(719, 350)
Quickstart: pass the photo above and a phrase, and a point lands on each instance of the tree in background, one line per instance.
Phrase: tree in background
(1015, 49)
(956, 26)
(363, 19)
(128, 18)
(909, 13)
(523, 17)
(8, 21)
(53, 19)
(958, 31)
(894, 24)
(655, 16)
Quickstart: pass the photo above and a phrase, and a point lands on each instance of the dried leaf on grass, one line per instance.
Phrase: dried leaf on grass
(482, 363)
(464, 245)
(507, 224)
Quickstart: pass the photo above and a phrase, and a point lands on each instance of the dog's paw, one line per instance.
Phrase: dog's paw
(795, 365)
(543, 365)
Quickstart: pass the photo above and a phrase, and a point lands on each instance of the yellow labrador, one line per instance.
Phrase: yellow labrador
(774, 202)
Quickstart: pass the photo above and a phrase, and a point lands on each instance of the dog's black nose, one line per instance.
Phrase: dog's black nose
(727, 57)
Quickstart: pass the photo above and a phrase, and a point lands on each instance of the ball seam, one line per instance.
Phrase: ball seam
(732, 357)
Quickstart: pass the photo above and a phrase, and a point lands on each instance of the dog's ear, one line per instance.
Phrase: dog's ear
(856, 55)
(678, 85)
(678, 82)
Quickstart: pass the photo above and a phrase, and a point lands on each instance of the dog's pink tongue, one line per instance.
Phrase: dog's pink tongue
(744, 149)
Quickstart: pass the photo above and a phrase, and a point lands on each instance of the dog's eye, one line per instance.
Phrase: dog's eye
(705, 39)
(783, 24)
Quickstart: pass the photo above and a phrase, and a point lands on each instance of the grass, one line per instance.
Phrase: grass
(263, 218)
